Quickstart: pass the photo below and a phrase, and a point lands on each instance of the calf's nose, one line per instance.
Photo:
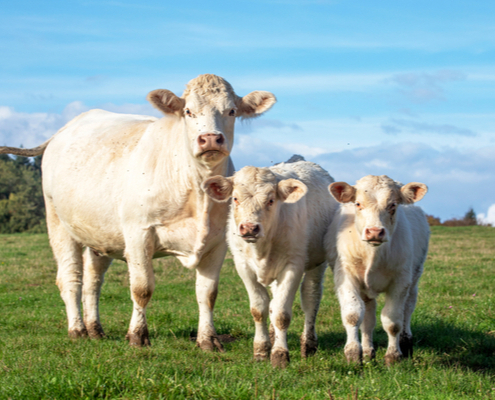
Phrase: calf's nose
(374, 234)
(249, 229)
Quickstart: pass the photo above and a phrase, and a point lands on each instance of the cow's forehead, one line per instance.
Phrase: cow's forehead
(377, 189)
(252, 181)
(210, 90)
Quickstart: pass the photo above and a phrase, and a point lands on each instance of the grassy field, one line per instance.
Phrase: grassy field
(453, 326)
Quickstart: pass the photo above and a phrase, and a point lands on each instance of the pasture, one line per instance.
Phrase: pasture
(453, 327)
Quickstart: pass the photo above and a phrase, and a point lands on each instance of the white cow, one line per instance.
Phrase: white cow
(275, 231)
(377, 243)
(129, 187)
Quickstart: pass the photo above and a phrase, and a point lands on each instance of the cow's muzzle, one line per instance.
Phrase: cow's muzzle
(211, 144)
(250, 232)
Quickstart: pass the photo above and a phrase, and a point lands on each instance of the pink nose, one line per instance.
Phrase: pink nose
(210, 142)
(249, 229)
(374, 234)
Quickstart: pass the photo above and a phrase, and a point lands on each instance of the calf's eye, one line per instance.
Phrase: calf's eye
(270, 202)
(232, 112)
(236, 201)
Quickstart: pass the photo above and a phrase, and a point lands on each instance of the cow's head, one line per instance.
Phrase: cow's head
(376, 199)
(257, 196)
(209, 107)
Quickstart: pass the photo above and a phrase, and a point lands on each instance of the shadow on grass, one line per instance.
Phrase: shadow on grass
(453, 346)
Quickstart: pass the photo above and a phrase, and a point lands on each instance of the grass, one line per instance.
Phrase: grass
(453, 327)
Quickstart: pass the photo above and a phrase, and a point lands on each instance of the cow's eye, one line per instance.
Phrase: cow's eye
(236, 201)
(270, 202)
(359, 206)
(391, 208)
(232, 112)
(188, 112)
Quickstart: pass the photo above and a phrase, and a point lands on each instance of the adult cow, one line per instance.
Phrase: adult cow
(129, 187)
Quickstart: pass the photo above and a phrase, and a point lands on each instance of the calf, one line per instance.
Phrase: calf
(275, 231)
(377, 243)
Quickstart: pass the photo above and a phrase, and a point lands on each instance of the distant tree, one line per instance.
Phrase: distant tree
(469, 219)
(433, 221)
(21, 198)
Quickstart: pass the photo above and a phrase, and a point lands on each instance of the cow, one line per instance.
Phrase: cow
(377, 243)
(277, 222)
(129, 187)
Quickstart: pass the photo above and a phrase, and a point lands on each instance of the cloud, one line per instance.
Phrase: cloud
(32, 129)
(399, 125)
(249, 125)
(423, 87)
(488, 218)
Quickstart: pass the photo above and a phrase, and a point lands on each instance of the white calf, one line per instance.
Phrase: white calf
(275, 231)
(377, 244)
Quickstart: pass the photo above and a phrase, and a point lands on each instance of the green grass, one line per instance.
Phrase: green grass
(453, 326)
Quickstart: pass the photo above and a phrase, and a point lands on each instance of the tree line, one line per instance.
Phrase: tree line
(22, 208)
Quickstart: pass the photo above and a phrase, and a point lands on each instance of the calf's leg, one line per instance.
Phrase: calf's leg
(311, 292)
(94, 271)
(259, 301)
(281, 312)
(406, 338)
(367, 327)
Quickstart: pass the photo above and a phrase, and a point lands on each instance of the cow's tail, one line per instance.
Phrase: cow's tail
(35, 151)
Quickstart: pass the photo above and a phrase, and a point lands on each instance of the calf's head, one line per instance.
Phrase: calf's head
(209, 107)
(376, 199)
(257, 195)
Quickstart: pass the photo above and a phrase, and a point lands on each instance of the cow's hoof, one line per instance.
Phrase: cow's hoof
(95, 331)
(392, 358)
(353, 353)
(369, 354)
(77, 333)
(211, 344)
(406, 345)
(280, 358)
(309, 345)
(138, 338)
(262, 351)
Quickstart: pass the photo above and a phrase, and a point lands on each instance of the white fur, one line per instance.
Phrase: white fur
(128, 187)
(362, 270)
(290, 245)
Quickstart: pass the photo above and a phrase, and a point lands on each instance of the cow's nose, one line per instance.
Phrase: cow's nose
(374, 234)
(210, 141)
(249, 229)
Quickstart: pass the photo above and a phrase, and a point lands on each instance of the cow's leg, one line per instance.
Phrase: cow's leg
(281, 312)
(95, 267)
(68, 254)
(259, 303)
(207, 276)
(367, 327)
(406, 338)
(311, 292)
(138, 253)
(392, 321)
(352, 310)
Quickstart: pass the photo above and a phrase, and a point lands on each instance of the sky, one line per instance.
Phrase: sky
(403, 89)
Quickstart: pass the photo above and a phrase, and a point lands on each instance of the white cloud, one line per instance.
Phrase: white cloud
(489, 218)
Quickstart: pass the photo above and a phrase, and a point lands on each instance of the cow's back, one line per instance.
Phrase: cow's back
(320, 206)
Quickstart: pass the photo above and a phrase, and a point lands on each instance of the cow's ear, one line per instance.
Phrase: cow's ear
(255, 103)
(166, 101)
(218, 187)
(413, 192)
(291, 190)
(342, 192)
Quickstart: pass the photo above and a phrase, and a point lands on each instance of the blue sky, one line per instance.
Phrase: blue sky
(398, 88)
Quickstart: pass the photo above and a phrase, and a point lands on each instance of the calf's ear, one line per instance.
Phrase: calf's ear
(291, 190)
(255, 103)
(218, 188)
(166, 101)
(342, 192)
(413, 192)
